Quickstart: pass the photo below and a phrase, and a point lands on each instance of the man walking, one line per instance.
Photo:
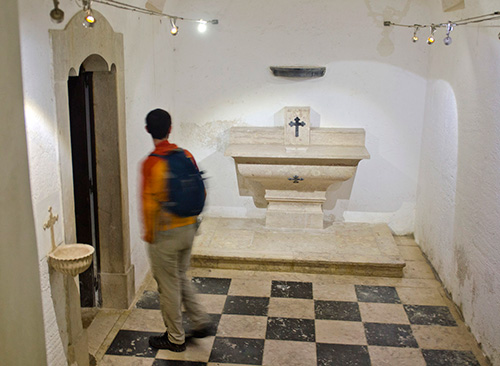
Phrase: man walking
(170, 239)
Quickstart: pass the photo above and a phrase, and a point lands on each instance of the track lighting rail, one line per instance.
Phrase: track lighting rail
(450, 25)
(121, 5)
(57, 15)
(477, 19)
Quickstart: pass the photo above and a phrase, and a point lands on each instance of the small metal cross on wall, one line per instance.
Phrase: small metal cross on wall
(50, 225)
(297, 124)
(295, 179)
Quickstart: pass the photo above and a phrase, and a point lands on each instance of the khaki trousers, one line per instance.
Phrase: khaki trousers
(170, 256)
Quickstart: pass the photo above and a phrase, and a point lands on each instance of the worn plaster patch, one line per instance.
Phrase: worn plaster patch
(462, 265)
(212, 134)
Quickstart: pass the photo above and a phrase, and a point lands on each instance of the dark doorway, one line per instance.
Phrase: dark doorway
(83, 153)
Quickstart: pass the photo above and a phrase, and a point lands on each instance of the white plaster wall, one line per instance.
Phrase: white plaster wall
(22, 340)
(148, 69)
(458, 199)
(375, 79)
(41, 135)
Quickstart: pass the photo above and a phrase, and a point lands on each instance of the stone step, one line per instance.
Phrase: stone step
(340, 248)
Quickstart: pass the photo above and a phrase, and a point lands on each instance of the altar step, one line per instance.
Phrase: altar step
(340, 248)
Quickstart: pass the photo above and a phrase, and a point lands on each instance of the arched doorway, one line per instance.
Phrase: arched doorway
(93, 110)
(104, 136)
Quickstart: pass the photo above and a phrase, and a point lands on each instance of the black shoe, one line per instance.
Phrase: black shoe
(207, 330)
(162, 342)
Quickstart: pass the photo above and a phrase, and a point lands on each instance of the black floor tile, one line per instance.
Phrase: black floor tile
(209, 285)
(177, 363)
(390, 335)
(237, 351)
(430, 315)
(337, 310)
(132, 343)
(381, 294)
(149, 300)
(296, 290)
(449, 358)
(215, 319)
(246, 305)
(188, 326)
(291, 329)
(342, 355)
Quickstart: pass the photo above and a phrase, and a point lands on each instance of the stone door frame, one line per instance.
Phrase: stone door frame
(71, 48)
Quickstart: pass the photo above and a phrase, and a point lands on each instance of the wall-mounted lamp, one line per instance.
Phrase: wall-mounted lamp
(56, 14)
(449, 28)
(415, 37)
(174, 30)
(431, 38)
(202, 26)
(89, 20)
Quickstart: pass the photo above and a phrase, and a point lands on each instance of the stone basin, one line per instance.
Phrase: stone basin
(316, 167)
(71, 259)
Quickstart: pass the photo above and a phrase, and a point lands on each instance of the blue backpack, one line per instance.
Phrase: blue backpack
(185, 185)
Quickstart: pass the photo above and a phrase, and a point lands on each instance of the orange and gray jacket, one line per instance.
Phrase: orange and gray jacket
(154, 191)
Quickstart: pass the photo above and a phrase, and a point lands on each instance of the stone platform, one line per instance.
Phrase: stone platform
(340, 248)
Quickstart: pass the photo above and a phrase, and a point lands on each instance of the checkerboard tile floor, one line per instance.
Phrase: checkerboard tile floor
(273, 318)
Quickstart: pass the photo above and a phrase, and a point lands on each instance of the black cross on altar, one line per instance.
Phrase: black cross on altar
(297, 124)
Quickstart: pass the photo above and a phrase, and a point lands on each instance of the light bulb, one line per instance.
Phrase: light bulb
(175, 29)
(449, 28)
(89, 20)
(202, 26)
(431, 38)
(415, 37)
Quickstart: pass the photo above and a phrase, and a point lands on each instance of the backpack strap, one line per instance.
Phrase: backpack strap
(170, 152)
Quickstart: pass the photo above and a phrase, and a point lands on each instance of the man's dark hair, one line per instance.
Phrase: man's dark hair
(158, 123)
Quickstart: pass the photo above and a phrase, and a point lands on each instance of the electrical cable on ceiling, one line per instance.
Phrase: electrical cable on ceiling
(90, 20)
(450, 26)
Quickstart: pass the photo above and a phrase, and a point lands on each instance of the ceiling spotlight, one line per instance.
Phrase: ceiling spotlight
(447, 40)
(431, 38)
(89, 20)
(56, 14)
(202, 26)
(415, 37)
(175, 29)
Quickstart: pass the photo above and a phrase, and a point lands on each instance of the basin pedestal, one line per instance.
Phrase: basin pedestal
(295, 210)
